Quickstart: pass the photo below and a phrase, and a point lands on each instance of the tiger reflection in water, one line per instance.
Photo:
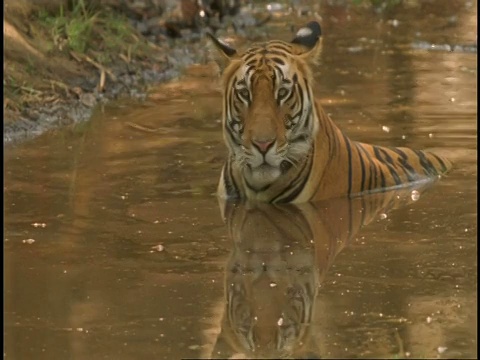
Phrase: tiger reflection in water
(280, 256)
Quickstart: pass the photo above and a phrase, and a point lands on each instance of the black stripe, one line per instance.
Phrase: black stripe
(241, 82)
(297, 189)
(375, 177)
(387, 157)
(301, 95)
(231, 187)
(364, 210)
(231, 135)
(249, 56)
(279, 46)
(350, 221)
(442, 164)
(289, 97)
(378, 153)
(362, 166)
(306, 82)
(349, 152)
(373, 168)
(427, 166)
(406, 166)
(382, 179)
(278, 60)
(308, 118)
(334, 138)
(276, 52)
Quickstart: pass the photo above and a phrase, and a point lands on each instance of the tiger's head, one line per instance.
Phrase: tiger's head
(268, 105)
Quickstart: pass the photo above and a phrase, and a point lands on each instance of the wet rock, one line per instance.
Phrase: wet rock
(88, 100)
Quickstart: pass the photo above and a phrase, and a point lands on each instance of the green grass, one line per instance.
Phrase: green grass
(82, 28)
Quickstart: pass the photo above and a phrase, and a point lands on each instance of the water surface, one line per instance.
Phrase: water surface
(116, 247)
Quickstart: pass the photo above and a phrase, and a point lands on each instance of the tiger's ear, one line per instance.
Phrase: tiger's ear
(309, 38)
(224, 52)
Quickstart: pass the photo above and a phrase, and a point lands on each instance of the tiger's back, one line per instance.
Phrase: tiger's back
(282, 145)
(367, 168)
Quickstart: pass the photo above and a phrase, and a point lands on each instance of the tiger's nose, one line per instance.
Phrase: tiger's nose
(263, 145)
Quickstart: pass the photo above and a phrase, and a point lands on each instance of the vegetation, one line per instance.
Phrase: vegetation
(85, 27)
(46, 47)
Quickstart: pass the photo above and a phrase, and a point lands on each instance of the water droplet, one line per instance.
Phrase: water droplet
(39, 225)
(429, 319)
(415, 195)
(280, 322)
(441, 349)
(383, 216)
(158, 247)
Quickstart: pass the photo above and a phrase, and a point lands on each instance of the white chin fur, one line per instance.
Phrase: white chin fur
(261, 176)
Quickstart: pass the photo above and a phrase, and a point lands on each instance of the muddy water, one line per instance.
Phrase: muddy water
(116, 247)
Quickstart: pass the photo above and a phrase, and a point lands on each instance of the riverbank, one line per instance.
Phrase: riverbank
(63, 58)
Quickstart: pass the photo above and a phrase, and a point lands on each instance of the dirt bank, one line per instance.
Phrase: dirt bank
(63, 57)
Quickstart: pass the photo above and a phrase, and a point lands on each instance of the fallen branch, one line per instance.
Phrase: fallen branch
(94, 63)
(147, 129)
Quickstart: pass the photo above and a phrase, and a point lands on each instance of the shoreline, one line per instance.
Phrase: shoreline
(55, 75)
(37, 120)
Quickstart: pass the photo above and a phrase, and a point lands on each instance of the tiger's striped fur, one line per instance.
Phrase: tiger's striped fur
(283, 147)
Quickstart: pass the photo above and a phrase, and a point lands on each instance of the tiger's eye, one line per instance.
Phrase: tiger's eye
(282, 93)
(244, 93)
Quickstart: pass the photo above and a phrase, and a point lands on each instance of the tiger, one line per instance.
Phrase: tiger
(282, 145)
(280, 256)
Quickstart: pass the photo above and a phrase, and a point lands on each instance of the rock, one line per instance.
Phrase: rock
(88, 100)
